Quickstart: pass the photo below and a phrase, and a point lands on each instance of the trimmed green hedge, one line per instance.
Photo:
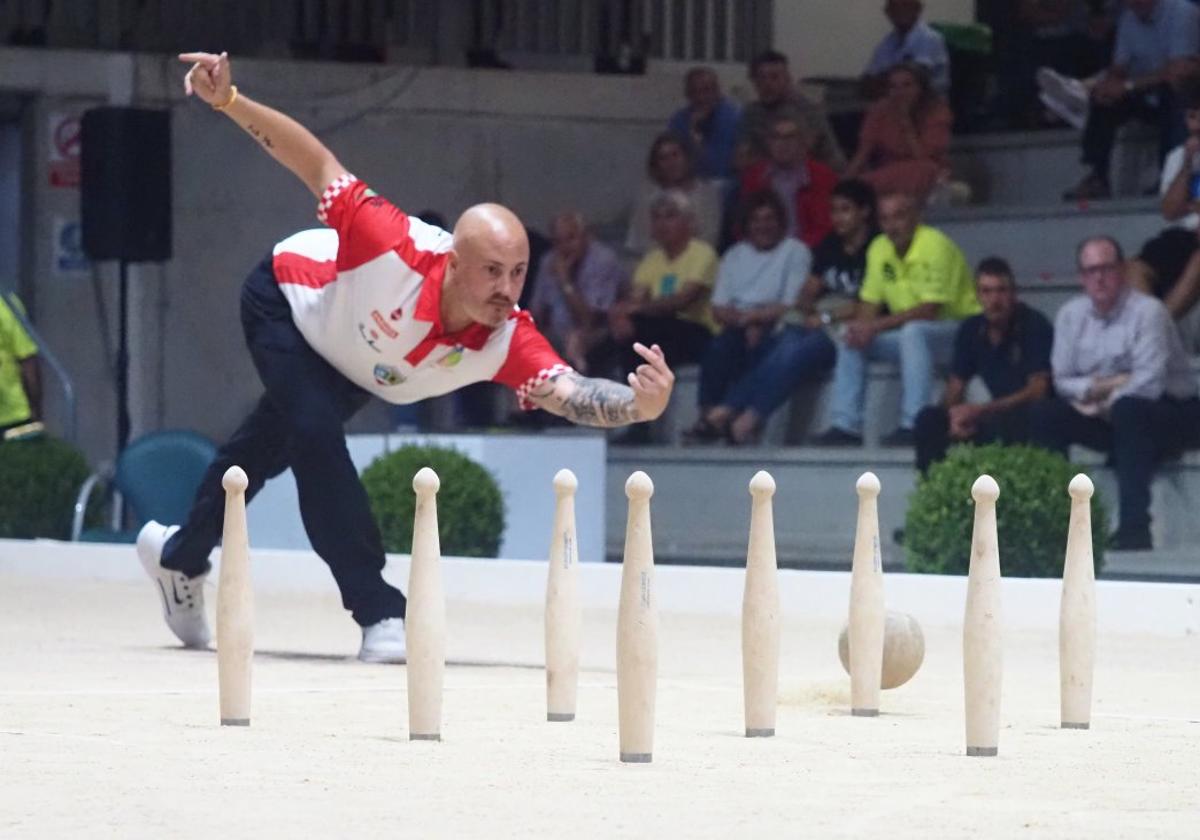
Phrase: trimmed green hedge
(39, 480)
(1032, 514)
(470, 507)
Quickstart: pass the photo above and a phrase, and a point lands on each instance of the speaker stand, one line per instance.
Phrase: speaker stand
(123, 359)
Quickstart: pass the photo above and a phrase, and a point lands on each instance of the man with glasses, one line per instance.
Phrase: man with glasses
(805, 186)
(1124, 384)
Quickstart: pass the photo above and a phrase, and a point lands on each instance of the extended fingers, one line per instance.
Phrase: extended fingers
(209, 60)
(650, 376)
(653, 355)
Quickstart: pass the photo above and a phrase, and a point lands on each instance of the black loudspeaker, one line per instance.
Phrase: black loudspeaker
(125, 195)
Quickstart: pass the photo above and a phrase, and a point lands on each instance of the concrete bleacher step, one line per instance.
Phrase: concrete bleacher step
(1039, 240)
(701, 505)
(1035, 167)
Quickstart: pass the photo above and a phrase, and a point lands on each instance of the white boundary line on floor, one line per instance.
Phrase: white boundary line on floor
(1123, 607)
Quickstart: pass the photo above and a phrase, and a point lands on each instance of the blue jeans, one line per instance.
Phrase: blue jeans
(794, 355)
(917, 347)
(727, 361)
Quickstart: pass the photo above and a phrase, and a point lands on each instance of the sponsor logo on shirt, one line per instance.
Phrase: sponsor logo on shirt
(889, 273)
(388, 375)
(368, 336)
(384, 326)
(452, 358)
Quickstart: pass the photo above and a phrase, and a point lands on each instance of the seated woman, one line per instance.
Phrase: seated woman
(670, 167)
(757, 282)
(905, 137)
(669, 303)
(804, 350)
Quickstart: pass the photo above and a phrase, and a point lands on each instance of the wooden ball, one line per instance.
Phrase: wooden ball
(903, 648)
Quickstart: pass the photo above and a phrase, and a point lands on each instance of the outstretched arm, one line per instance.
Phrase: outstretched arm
(293, 145)
(589, 401)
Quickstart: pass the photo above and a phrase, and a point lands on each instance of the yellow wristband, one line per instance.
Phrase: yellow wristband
(232, 98)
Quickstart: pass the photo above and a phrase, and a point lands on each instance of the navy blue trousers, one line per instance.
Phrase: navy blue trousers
(297, 423)
(1139, 434)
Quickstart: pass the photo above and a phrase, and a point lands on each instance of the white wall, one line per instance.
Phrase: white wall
(835, 37)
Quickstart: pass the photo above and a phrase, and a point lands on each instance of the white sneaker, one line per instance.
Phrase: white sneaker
(182, 596)
(384, 642)
(1076, 119)
(1065, 89)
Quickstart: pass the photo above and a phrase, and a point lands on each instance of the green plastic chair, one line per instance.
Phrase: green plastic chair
(156, 475)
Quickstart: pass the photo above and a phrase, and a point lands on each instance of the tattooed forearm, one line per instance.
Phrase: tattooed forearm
(260, 136)
(596, 402)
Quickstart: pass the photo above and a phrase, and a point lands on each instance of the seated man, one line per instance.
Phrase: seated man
(778, 97)
(20, 379)
(671, 286)
(805, 186)
(708, 123)
(758, 280)
(1156, 40)
(1124, 384)
(1168, 266)
(578, 281)
(923, 279)
(911, 40)
(1008, 346)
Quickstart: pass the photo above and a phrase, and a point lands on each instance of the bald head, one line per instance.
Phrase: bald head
(490, 225)
(487, 267)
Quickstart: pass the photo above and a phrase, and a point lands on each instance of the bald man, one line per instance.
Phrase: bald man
(378, 303)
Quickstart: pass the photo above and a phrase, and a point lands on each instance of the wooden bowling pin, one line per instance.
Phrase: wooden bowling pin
(425, 624)
(563, 616)
(637, 627)
(867, 614)
(1077, 615)
(235, 605)
(760, 614)
(982, 643)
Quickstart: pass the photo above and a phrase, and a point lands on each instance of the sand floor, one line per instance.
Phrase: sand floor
(107, 730)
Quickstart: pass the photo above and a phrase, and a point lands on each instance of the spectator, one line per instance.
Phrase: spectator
(669, 167)
(1168, 266)
(708, 123)
(669, 305)
(757, 282)
(578, 281)
(923, 279)
(1071, 37)
(804, 185)
(905, 139)
(803, 350)
(911, 41)
(745, 158)
(1008, 347)
(778, 97)
(20, 376)
(1156, 42)
(1124, 384)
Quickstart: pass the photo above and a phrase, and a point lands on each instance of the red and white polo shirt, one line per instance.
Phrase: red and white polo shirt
(366, 295)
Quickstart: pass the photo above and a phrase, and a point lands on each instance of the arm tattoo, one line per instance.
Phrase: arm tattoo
(598, 402)
(260, 136)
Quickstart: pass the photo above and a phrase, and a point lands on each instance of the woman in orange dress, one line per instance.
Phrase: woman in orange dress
(905, 137)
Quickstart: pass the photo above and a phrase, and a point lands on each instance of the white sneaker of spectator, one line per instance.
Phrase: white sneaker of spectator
(1065, 97)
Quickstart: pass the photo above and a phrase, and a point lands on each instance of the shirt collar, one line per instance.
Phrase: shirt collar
(1014, 325)
(1117, 309)
(429, 309)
